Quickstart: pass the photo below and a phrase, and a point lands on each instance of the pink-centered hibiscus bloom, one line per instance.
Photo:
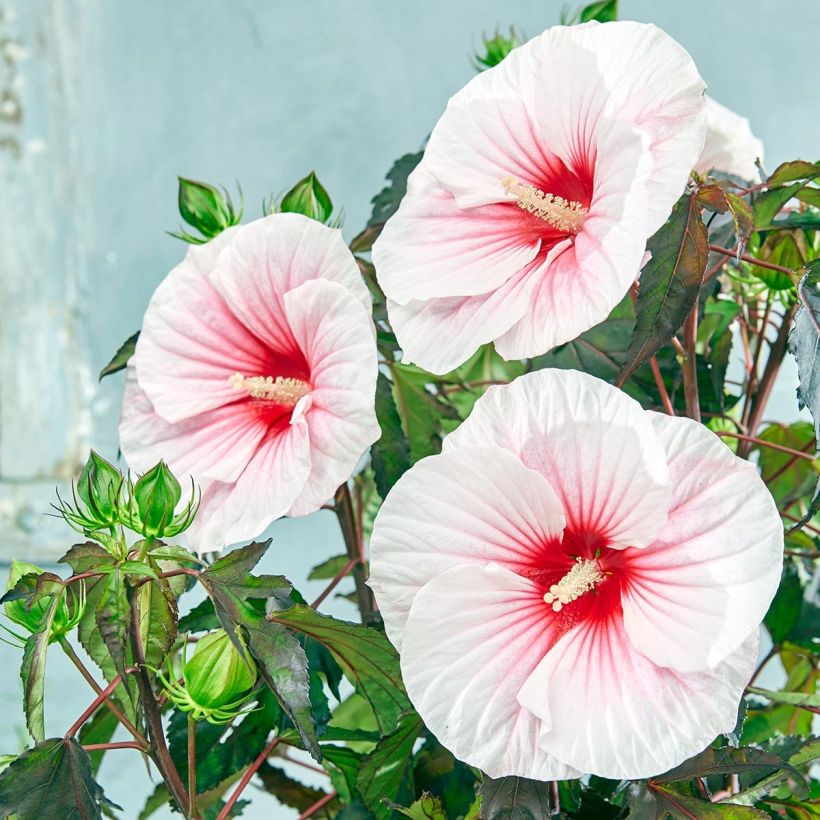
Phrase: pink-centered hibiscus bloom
(730, 145)
(575, 584)
(526, 221)
(255, 374)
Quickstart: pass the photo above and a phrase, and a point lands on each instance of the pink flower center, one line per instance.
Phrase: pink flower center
(562, 214)
(282, 390)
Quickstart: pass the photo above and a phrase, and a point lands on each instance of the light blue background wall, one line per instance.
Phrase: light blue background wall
(104, 102)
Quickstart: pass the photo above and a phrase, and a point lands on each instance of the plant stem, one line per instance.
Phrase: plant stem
(337, 578)
(317, 806)
(689, 365)
(664, 394)
(355, 550)
(769, 655)
(96, 703)
(759, 262)
(797, 454)
(153, 717)
(246, 778)
(192, 765)
(101, 747)
(69, 650)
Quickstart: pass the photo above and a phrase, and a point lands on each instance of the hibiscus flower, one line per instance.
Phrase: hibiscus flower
(526, 221)
(576, 584)
(255, 375)
(730, 147)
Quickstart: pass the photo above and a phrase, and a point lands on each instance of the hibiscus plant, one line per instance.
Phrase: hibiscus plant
(534, 390)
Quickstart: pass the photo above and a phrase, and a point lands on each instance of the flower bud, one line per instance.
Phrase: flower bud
(32, 618)
(98, 487)
(496, 48)
(309, 198)
(156, 494)
(217, 675)
(205, 208)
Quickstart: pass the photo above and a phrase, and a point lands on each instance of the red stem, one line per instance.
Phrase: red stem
(101, 747)
(656, 372)
(338, 577)
(317, 806)
(246, 778)
(96, 703)
(689, 365)
(769, 444)
(750, 259)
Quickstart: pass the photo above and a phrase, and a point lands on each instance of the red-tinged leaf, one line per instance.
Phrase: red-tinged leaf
(713, 197)
(670, 282)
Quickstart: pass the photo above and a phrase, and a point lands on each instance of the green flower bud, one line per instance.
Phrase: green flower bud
(216, 680)
(33, 617)
(205, 208)
(309, 198)
(156, 494)
(98, 487)
(496, 48)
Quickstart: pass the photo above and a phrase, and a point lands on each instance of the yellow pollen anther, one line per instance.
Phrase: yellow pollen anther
(555, 210)
(580, 579)
(284, 391)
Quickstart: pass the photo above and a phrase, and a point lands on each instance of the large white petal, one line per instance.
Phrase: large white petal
(336, 335)
(475, 505)
(609, 710)
(473, 637)
(595, 446)
(708, 579)
(730, 145)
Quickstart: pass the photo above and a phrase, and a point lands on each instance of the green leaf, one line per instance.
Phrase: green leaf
(113, 616)
(139, 569)
(279, 655)
(171, 552)
(158, 613)
(725, 761)
(329, 568)
(787, 478)
(660, 802)
(52, 780)
(33, 673)
(120, 359)
(202, 618)
(804, 342)
(367, 657)
(290, 792)
(514, 797)
(342, 764)
(768, 205)
(807, 753)
(158, 798)
(427, 807)
(811, 700)
(784, 613)
(309, 198)
(391, 453)
(386, 202)
(88, 557)
(793, 171)
(436, 771)
(100, 729)
(604, 11)
(670, 282)
(385, 773)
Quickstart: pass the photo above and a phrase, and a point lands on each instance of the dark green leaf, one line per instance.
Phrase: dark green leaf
(793, 171)
(88, 557)
(514, 798)
(804, 342)
(158, 619)
(279, 655)
(391, 453)
(604, 11)
(784, 612)
(367, 657)
(53, 780)
(292, 793)
(670, 282)
(386, 202)
(119, 360)
(342, 764)
(807, 753)
(329, 568)
(386, 773)
(201, 618)
(158, 798)
(33, 673)
(788, 479)
(661, 802)
(113, 614)
(724, 761)
(100, 729)
(435, 770)
(769, 204)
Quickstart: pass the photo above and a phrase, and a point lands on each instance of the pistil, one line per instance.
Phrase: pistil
(562, 214)
(281, 390)
(583, 576)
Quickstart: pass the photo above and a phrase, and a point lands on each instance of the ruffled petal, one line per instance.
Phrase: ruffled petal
(594, 445)
(608, 710)
(730, 147)
(216, 444)
(441, 334)
(273, 255)
(431, 248)
(191, 342)
(694, 595)
(337, 337)
(265, 491)
(473, 637)
(474, 505)
(589, 278)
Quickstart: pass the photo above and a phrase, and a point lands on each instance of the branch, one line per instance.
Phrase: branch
(192, 764)
(796, 454)
(355, 550)
(102, 747)
(689, 365)
(96, 703)
(750, 259)
(336, 579)
(317, 806)
(246, 778)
